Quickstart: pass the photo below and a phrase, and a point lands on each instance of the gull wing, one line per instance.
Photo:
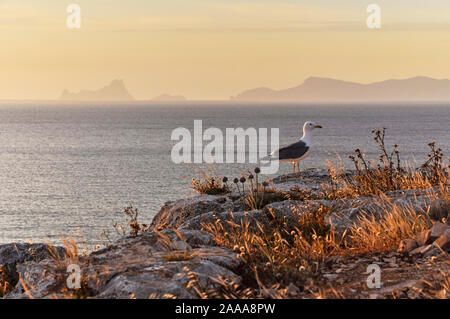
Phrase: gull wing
(292, 151)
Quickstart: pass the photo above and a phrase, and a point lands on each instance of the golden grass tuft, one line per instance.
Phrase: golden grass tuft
(277, 255)
(374, 178)
(274, 253)
(385, 234)
(208, 186)
(58, 270)
(172, 250)
(209, 183)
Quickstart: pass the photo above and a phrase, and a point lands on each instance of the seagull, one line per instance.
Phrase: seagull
(298, 151)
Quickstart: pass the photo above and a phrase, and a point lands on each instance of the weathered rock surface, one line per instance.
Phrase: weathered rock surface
(13, 254)
(438, 230)
(148, 265)
(287, 212)
(428, 243)
(173, 214)
(407, 245)
(348, 212)
(443, 241)
(343, 214)
(309, 180)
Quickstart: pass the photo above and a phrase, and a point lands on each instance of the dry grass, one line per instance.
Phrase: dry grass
(136, 228)
(257, 200)
(445, 286)
(4, 285)
(209, 183)
(374, 178)
(440, 210)
(178, 256)
(384, 234)
(433, 288)
(60, 263)
(173, 251)
(252, 194)
(57, 269)
(443, 289)
(376, 182)
(223, 289)
(209, 186)
(133, 228)
(277, 256)
(274, 253)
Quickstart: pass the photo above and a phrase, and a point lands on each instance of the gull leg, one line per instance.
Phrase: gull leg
(298, 165)
(293, 167)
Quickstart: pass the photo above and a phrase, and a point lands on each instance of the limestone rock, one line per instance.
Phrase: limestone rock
(407, 245)
(423, 238)
(174, 214)
(426, 251)
(444, 241)
(13, 254)
(438, 230)
(347, 213)
(149, 265)
(38, 280)
(287, 212)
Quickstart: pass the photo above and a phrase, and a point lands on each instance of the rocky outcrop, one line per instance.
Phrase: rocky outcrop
(174, 214)
(149, 265)
(287, 212)
(11, 255)
(343, 214)
(176, 253)
(347, 213)
(429, 242)
(189, 212)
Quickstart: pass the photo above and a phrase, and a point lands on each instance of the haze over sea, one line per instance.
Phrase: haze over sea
(68, 170)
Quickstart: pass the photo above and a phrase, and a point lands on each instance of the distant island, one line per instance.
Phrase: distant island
(316, 89)
(313, 89)
(115, 91)
(169, 98)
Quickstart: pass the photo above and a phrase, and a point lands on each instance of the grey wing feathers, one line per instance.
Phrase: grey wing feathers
(293, 151)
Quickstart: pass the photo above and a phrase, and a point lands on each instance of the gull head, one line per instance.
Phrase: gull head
(309, 126)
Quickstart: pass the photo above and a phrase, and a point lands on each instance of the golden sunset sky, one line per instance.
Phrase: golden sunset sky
(213, 49)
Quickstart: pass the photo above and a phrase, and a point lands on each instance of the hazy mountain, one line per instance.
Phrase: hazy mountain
(116, 91)
(169, 98)
(327, 90)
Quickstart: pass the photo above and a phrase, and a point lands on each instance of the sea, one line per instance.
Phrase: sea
(68, 170)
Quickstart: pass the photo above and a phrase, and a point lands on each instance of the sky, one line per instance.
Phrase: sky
(214, 49)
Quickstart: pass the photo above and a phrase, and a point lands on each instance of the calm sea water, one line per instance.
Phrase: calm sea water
(68, 170)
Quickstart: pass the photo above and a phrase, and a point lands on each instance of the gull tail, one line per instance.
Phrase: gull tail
(271, 157)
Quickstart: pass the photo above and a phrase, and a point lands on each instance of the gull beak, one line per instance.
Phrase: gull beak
(318, 126)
